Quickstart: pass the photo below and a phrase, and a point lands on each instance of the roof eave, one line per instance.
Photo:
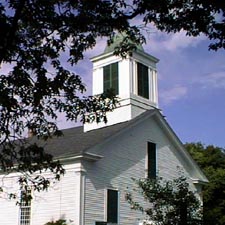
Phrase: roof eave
(201, 176)
(137, 51)
(81, 156)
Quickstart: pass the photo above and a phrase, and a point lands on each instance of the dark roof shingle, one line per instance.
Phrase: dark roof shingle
(74, 141)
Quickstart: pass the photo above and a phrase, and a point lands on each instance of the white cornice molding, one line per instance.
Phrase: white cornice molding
(201, 178)
(81, 156)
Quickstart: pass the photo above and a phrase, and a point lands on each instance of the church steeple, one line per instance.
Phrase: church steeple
(134, 80)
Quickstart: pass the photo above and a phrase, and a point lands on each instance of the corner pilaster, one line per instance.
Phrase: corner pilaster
(81, 172)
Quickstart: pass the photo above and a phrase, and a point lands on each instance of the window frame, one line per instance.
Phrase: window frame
(25, 209)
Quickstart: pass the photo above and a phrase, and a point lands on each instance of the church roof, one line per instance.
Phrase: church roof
(75, 142)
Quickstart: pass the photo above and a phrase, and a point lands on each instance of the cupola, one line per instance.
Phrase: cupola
(134, 80)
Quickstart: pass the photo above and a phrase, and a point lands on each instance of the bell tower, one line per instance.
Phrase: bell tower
(134, 80)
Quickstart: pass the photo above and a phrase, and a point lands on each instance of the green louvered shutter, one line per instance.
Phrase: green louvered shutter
(112, 206)
(143, 82)
(110, 76)
(100, 223)
(114, 77)
(151, 160)
(106, 74)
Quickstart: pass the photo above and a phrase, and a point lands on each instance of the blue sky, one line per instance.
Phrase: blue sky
(191, 84)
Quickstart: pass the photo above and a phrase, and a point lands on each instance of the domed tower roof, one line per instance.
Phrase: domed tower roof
(117, 41)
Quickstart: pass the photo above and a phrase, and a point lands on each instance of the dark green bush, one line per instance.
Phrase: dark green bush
(57, 222)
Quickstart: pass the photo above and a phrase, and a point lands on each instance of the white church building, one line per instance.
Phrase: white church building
(100, 159)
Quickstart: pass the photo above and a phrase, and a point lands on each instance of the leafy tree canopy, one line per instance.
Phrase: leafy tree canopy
(211, 160)
(167, 202)
(57, 222)
(41, 39)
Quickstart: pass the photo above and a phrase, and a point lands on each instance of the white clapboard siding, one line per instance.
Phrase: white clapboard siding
(124, 158)
(8, 210)
(60, 201)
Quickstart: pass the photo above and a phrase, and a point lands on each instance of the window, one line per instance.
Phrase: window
(25, 209)
(112, 206)
(151, 160)
(142, 78)
(110, 76)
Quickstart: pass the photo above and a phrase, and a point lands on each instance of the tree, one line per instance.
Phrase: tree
(57, 222)
(194, 17)
(211, 160)
(167, 202)
(36, 35)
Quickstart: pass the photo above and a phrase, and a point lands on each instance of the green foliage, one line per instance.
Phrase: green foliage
(35, 36)
(57, 222)
(42, 41)
(168, 202)
(194, 17)
(211, 160)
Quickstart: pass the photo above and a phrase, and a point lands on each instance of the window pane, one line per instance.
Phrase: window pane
(151, 160)
(143, 83)
(25, 210)
(112, 206)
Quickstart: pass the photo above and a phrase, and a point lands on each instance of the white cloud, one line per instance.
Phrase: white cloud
(173, 94)
(213, 80)
(159, 41)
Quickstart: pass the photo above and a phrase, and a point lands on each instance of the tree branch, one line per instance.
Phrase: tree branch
(9, 37)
